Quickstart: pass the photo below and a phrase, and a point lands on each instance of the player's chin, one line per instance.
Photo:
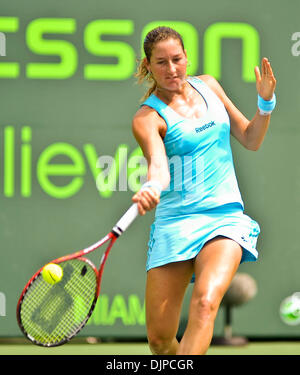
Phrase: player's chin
(173, 84)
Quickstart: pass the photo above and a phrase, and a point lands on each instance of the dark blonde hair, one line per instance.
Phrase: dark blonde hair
(154, 36)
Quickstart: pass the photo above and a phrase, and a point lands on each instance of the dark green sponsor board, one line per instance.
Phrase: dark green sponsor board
(69, 163)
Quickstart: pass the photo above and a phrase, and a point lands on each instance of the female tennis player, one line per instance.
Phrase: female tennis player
(200, 232)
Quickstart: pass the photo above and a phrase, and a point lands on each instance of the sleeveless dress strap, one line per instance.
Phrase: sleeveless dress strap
(163, 110)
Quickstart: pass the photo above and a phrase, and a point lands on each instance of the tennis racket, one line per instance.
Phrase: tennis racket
(51, 314)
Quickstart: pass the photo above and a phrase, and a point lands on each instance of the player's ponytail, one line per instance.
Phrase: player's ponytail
(156, 35)
(143, 75)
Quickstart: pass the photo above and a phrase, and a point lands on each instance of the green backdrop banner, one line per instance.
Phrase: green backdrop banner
(68, 94)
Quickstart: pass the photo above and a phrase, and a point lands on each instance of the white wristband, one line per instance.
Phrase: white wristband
(152, 183)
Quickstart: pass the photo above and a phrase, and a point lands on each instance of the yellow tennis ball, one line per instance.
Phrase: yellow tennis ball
(52, 273)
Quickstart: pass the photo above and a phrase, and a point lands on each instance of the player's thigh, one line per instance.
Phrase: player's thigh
(165, 289)
(215, 266)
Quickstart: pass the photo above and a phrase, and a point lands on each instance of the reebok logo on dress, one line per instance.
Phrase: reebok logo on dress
(204, 127)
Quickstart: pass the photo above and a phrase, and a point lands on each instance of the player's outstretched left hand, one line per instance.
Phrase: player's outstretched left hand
(265, 80)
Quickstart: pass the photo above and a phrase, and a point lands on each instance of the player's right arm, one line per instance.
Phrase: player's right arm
(149, 129)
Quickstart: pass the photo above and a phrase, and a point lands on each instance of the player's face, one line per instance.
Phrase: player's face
(168, 64)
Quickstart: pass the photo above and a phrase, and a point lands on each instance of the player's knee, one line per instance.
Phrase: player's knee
(158, 344)
(204, 308)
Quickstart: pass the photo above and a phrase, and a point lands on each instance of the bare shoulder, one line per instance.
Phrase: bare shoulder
(149, 130)
(142, 112)
(146, 119)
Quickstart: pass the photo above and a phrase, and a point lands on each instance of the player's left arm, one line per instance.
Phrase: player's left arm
(250, 133)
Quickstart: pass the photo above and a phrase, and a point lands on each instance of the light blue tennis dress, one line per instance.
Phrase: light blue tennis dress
(203, 199)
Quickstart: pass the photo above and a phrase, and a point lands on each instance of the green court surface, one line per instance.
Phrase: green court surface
(252, 348)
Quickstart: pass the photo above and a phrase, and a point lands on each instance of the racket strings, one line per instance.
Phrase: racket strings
(50, 314)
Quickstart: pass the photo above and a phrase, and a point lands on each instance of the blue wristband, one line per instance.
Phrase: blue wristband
(266, 106)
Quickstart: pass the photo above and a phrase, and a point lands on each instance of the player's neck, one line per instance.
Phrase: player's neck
(170, 95)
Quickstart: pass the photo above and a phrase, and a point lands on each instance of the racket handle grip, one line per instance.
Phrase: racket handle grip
(129, 216)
